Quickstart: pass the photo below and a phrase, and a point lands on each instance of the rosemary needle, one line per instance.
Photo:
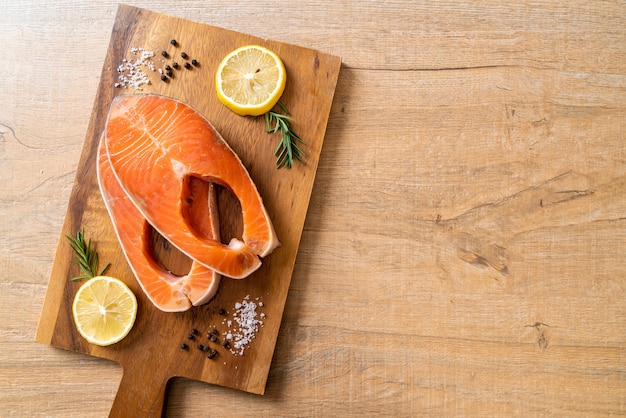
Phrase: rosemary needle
(86, 256)
(287, 149)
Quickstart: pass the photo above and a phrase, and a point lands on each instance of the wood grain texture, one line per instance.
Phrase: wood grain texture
(463, 252)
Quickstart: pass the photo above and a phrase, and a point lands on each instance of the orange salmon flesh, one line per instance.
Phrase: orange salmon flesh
(158, 163)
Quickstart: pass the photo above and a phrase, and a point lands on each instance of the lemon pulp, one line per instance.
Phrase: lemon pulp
(250, 80)
(104, 310)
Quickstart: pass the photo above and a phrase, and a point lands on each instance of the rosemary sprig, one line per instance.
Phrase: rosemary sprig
(85, 256)
(287, 148)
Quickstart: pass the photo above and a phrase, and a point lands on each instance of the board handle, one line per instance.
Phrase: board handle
(140, 394)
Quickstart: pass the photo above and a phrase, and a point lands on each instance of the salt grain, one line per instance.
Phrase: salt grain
(132, 74)
(245, 326)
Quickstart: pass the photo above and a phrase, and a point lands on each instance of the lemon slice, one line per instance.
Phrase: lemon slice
(250, 80)
(104, 310)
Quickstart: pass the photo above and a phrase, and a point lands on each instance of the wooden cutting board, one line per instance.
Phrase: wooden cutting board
(150, 355)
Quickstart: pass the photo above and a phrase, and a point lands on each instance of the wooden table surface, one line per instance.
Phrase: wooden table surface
(464, 249)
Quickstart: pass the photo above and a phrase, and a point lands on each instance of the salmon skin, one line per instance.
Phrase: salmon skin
(154, 145)
(166, 291)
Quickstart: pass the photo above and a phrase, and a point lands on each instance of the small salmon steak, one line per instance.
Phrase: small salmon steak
(154, 145)
(168, 292)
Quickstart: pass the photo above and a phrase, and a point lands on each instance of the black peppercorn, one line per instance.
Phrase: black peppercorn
(165, 54)
(167, 68)
(175, 65)
(190, 337)
(225, 344)
(194, 331)
(163, 77)
(194, 62)
(187, 65)
(183, 346)
(184, 55)
(214, 331)
(173, 42)
(169, 73)
(222, 311)
(200, 347)
(212, 354)
(212, 338)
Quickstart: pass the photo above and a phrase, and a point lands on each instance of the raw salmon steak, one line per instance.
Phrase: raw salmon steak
(154, 145)
(166, 291)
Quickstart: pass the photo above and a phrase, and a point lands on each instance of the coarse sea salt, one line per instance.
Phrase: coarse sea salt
(132, 74)
(244, 326)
